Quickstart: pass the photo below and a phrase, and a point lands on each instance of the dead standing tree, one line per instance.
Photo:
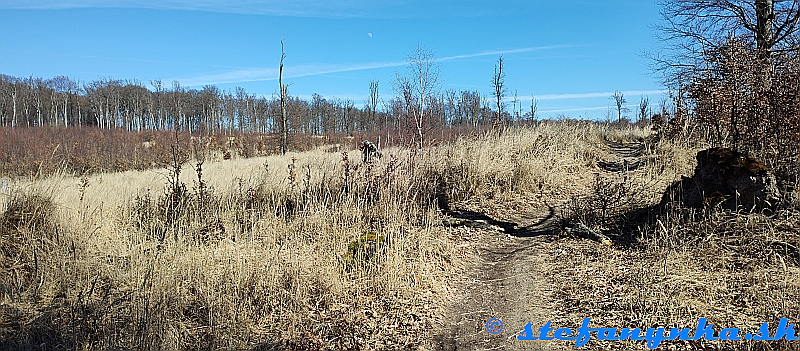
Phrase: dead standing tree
(417, 88)
(619, 101)
(284, 124)
(534, 108)
(644, 109)
(371, 104)
(498, 83)
(369, 151)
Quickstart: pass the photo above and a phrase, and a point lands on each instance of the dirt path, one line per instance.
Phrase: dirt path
(509, 278)
(626, 157)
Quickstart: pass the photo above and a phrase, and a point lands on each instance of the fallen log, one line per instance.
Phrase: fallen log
(482, 224)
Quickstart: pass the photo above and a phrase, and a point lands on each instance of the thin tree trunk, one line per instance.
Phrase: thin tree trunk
(765, 18)
(66, 103)
(14, 98)
(284, 125)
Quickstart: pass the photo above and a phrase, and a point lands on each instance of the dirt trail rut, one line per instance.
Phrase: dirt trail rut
(508, 281)
(509, 278)
(626, 157)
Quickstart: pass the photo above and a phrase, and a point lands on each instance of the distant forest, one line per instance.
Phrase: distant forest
(131, 105)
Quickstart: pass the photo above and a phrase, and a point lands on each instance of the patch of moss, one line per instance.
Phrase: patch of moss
(364, 250)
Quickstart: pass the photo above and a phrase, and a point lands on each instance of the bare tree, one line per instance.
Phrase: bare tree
(517, 106)
(693, 27)
(63, 88)
(644, 108)
(498, 83)
(534, 107)
(619, 101)
(417, 87)
(372, 102)
(178, 105)
(284, 124)
(737, 48)
(14, 104)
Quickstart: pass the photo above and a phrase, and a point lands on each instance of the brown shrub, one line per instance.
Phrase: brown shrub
(744, 102)
(28, 229)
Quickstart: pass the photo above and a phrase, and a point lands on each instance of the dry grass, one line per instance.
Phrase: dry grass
(677, 265)
(316, 250)
(233, 268)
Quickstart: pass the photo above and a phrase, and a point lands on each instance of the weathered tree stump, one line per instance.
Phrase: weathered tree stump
(369, 151)
(726, 178)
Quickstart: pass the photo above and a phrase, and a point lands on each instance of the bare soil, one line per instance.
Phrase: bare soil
(511, 276)
(508, 279)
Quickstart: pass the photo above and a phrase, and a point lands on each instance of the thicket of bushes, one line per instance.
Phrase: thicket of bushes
(743, 99)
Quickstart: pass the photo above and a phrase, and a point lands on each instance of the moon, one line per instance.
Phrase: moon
(370, 35)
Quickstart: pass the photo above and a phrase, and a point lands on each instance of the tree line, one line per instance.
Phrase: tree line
(134, 106)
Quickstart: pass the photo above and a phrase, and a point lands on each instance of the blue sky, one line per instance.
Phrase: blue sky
(572, 55)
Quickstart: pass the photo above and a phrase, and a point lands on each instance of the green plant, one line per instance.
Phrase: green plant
(364, 251)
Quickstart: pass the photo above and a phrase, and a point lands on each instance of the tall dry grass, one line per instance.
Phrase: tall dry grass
(259, 263)
(312, 250)
(317, 250)
(671, 266)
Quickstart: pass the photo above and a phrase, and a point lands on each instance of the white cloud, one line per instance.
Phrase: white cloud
(574, 109)
(266, 74)
(503, 52)
(308, 8)
(595, 95)
(299, 8)
(587, 109)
